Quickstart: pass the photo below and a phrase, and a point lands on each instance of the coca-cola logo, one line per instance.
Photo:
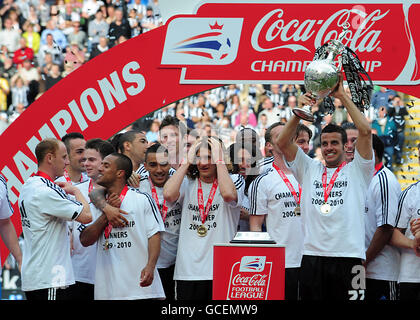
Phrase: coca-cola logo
(256, 280)
(250, 278)
(275, 31)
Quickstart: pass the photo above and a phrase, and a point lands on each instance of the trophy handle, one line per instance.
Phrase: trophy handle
(336, 47)
(346, 26)
(343, 33)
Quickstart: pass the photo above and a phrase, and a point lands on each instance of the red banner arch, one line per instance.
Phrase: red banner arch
(129, 81)
(98, 99)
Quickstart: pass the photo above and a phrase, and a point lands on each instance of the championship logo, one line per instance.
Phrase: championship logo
(202, 41)
(249, 279)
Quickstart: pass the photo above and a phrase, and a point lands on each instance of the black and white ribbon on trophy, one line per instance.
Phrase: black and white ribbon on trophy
(360, 88)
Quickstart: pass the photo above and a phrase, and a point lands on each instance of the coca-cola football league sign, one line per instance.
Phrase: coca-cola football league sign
(248, 272)
(222, 42)
(249, 279)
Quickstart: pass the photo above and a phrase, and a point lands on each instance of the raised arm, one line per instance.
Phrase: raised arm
(226, 185)
(285, 140)
(364, 139)
(173, 185)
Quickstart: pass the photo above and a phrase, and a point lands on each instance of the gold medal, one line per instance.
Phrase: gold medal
(325, 208)
(202, 230)
(106, 246)
(297, 210)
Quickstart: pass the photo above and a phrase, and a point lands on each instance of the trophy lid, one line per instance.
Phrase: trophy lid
(252, 237)
(322, 76)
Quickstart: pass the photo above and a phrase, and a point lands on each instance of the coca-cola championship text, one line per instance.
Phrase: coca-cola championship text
(278, 40)
(274, 29)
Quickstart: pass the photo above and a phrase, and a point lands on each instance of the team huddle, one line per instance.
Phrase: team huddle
(125, 219)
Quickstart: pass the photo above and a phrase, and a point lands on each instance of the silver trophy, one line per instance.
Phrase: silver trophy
(322, 76)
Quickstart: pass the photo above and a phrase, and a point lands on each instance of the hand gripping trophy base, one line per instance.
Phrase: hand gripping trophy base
(304, 113)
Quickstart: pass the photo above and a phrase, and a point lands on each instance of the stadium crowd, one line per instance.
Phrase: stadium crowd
(42, 41)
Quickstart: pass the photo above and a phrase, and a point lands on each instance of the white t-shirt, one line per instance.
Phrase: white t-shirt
(45, 209)
(84, 177)
(168, 238)
(83, 258)
(118, 269)
(142, 172)
(266, 164)
(381, 204)
(340, 233)
(6, 209)
(270, 196)
(244, 224)
(194, 259)
(409, 209)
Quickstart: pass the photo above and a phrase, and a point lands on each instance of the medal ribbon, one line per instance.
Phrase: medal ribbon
(108, 228)
(44, 175)
(164, 209)
(204, 213)
(289, 185)
(90, 188)
(67, 177)
(327, 190)
(378, 167)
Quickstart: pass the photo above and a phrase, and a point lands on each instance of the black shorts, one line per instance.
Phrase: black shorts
(381, 290)
(331, 278)
(291, 284)
(167, 277)
(199, 290)
(409, 291)
(81, 291)
(49, 294)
